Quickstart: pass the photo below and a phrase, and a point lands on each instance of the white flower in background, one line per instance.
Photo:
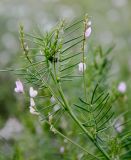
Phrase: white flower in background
(19, 87)
(33, 93)
(11, 129)
(88, 32)
(118, 125)
(32, 102)
(122, 87)
(119, 3)
(56, 108)
(33, 111)
(82, 67)
(62, 149)
(52, 99)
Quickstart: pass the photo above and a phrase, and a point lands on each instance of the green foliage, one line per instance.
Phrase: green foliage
(60, 52)
(17, 154)
(84, 100)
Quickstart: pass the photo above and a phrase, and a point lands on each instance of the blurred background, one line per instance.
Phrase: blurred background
(111, 24)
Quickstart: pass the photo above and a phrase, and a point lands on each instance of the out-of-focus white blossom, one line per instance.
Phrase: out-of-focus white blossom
(119, 3)
(118, 125)
(33, 93)
(11, 129)
(56, 107)
(88, 32)
(19, 87)
(82, 67)
(62, 149)
(52, 99)
(122, 87)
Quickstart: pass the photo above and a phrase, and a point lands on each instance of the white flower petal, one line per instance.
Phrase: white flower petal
(118, 125)
(52, 99)
(32, 102)
(56, 108)
(33, 93)
(82, 67)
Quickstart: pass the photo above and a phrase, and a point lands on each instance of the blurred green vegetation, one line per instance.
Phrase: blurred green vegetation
(111, 25)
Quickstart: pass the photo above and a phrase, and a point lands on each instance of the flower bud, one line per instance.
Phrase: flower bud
(88, 32)
(82, 67)
(122, 87)
(19, 87)
(33, 93)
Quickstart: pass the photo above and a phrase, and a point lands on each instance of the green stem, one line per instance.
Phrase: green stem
(80, 125)
(74, 143)
(75, 118)
(67, 107)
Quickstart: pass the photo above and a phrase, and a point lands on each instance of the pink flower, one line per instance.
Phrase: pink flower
(122, 87)
(19, 87)
(33, 93)
(88, 32)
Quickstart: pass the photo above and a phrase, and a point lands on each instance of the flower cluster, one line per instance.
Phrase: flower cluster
(33, 93)
(52, 71)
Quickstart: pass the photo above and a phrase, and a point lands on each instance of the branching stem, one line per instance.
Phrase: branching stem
(67, 107)
(74, 143)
